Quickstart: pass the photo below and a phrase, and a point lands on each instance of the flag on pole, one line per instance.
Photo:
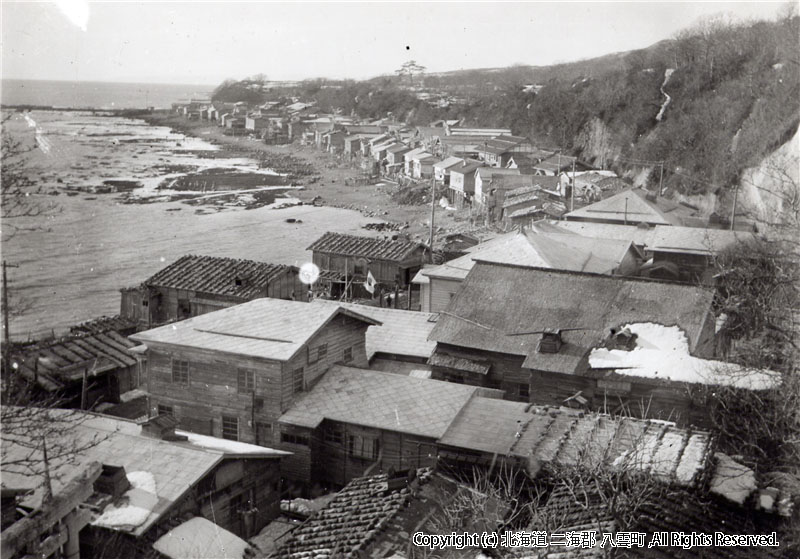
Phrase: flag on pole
(369, 285)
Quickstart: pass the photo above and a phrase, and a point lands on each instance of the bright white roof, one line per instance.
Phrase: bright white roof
(198, 538)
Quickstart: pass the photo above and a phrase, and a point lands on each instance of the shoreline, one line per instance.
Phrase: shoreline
(324, 179)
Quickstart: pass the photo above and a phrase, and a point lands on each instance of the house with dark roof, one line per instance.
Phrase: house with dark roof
(530, 331)
(194, 285)
(356, 420)
(232, 373)
(559, 163)
(530, 248)
(146, 478)
(346, 260)
(82, 369)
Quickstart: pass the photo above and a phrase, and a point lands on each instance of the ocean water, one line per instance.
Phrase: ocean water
(97, 95)
(70, 262)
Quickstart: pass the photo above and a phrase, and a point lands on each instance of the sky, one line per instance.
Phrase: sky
(206, 42)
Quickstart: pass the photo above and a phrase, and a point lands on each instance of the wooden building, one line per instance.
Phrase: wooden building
(357, 419)
(152, 477)
(530, 331)
(194, 285)
(632, 207)
(462, 182)
(348, 258)
(528, 248)
(82, 369)
(232, 373)
(441, 169)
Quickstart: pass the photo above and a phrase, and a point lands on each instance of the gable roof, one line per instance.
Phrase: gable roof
(380, 400)
(491, 172)
(53, 364)
(175, 467)
(232, 277)
(268, 328)
(496, 300)
(639, 235)
(447, 163)
(409, 155)
(544, 435)
(524, 184)
(630, 206)
(467, 168)
(365, 247)
(540, 250)
(400, 332)
(398, 148)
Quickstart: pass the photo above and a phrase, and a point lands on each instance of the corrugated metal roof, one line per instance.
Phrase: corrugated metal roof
(267, 328)
(505, 299)
(382, 401)
(365, 247)
(232, 277)
(570, 437)
(401, 332)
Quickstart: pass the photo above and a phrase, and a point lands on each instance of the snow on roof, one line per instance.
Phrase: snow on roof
(229, 447)
(198, 538)
(136, 506)
(662, 352)
(732, 480)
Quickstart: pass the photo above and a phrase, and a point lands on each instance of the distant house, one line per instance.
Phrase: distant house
(441, 169)
(256, 122)
(233, 372)
(483, 179)
(462, 182)
(80, 369)
(395, 160)
(348, 258)
(559, 163)
(149, 475)
(194, 285)
(440, 284)
(422, 165)
(353, 419)
(530, 332)
(631, 207)
(378, 151)
(352, 144)
(483, 132)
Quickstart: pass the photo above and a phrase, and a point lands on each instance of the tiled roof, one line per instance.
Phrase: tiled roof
(176, 467)
(245, 279)
(696, 240)
(55, 363)
(401, 332)
(103, 324)
(499, 299)
(549, 436)
(267, 328)
(673, 510)
(633, 206)
(542, 250)
(365, 247)
(355, 515)
(380, 400)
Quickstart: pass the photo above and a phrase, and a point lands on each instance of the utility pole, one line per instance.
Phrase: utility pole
(6, 329)
(661, 180)
(433, 212)
(572, 190)
(733, 211)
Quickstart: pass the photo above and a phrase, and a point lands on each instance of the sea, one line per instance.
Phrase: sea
(67, 264)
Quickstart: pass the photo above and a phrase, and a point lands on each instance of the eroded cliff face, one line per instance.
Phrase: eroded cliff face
(770, 192)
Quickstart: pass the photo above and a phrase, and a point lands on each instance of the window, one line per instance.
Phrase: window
(294, 439)
(247, 381)
(317, 353)
(333, 435)
(180, 371)
(362, 447)
(145, 303)
(348, 354)
(524, 391)
(166, 410)
(297, 380)
(230, 428)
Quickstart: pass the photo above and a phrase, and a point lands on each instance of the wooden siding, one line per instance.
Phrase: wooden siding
(384, 271)
(441, 292)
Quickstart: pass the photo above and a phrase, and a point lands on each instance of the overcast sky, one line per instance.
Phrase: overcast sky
(206, 42)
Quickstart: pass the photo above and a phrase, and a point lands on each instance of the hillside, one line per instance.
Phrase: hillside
(703, 107)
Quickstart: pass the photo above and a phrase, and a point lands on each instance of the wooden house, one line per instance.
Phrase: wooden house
(483, 183)
(462, 182)
(395, 157)
(256, 122)
(559, 163)
(408, 160)
(496, 433)
(82, 369)
(150, 477)
(497, 332)
(423, 165)
(355, 420)
(631, 207)
(194, 285)
(233, 372)
(349, 258)
(441, 169)
(529, 248)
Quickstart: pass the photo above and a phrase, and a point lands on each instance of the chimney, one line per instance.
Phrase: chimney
(551, 341)
(162, 427)
(112, 481)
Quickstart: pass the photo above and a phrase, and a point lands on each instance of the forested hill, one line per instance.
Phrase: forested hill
(733, 91)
